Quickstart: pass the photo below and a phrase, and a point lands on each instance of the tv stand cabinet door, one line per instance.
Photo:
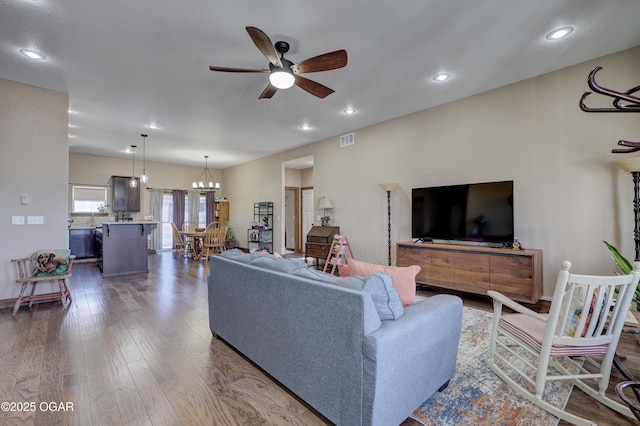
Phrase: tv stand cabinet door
(472, 272)
(513, 277)
(436, 266)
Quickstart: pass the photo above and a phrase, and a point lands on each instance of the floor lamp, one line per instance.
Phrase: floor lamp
(632, 165)
(388, 187)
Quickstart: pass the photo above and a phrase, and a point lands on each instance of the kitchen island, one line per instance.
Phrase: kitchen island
(124, 247)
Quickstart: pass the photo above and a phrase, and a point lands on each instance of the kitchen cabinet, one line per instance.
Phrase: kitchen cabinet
(124, 197)
(82, 242)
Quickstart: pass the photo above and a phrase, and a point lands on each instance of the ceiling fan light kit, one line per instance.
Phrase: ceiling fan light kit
(283, 73)
(281, 78)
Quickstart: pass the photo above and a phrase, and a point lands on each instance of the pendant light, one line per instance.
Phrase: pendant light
(144, 177)
(133, 183)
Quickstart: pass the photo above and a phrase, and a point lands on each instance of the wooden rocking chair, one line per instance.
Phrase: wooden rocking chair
(584, 324)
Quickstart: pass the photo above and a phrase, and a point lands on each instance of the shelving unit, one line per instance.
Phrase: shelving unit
(221, 211)
(340, 249)
(260, 236)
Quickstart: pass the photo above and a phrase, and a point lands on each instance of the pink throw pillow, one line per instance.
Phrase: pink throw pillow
(343, 270)
(403, 277)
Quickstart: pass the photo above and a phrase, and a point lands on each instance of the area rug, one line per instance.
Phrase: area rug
(476, 396)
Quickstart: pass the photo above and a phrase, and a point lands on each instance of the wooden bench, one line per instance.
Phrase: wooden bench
(26, 268)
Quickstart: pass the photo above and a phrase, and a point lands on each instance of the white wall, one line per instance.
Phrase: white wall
(568, 195)
(33, 161)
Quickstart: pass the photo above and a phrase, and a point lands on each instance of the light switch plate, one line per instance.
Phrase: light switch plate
(17, 220)
(35, 220)
(24, 199)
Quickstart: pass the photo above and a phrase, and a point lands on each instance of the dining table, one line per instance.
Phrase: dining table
(197, 237)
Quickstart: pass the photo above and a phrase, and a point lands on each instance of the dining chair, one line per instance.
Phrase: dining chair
(190, 242)
(582, 330)
(214, 239)
(178, 241)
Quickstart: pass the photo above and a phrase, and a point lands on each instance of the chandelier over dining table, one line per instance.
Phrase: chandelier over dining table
(205, 181)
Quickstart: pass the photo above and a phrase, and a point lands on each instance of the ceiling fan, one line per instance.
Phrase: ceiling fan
(283, 73)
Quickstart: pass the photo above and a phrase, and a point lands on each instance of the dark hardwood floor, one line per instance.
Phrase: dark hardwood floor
(138, 350)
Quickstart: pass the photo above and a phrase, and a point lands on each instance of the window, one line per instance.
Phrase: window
(88, 199)
(167, 217)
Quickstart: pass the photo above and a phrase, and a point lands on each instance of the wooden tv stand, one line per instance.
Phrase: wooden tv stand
(476, 269)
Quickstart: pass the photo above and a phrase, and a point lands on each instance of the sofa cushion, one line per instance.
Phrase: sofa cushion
(378, 285)
(354, 283)
(403, 277)
(265, 260)
(278, 263)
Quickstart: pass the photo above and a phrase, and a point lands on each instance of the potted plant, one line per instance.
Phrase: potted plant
(626, 267)
(230, 239)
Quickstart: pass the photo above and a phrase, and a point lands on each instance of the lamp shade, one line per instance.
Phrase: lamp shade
(631, 164)
(324, 203)
(389, 186)
(282, 79)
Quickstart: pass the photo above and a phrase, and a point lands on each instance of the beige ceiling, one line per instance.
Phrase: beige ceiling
(126, 64)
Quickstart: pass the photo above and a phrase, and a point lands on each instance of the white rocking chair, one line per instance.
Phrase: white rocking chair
(585, 321)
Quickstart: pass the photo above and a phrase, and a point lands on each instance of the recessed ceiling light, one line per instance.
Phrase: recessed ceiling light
(559, 33)
(152, 126)
(32, 54)
(443, 76)
(305, 127)
(350, 111)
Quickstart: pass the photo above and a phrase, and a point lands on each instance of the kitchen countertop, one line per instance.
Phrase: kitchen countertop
(134, 222)
(139, 222)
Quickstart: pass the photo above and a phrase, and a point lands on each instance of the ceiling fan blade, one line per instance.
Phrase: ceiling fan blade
(268, 92)
(263, 43)
(328, 61)
(313, 87)
(228, 69)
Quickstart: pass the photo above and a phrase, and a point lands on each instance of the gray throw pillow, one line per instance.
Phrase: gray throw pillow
(385, 297)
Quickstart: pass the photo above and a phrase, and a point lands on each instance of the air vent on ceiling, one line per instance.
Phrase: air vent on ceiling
(348, 139)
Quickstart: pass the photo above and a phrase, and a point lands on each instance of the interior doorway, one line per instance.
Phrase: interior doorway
(297, 180)
(292, 222)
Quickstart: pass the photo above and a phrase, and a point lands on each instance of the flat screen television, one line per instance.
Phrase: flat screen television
(481, 212)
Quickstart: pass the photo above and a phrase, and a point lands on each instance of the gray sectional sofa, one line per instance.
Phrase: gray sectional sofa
(322, 337)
